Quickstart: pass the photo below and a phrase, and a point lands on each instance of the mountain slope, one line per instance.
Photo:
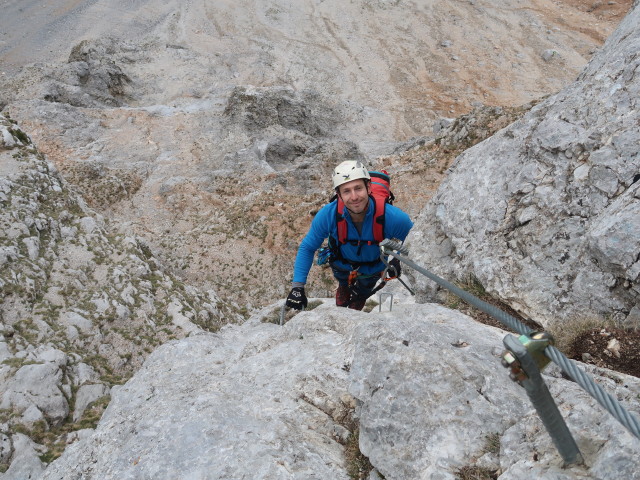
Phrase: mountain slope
(213, 125)
(80, 308)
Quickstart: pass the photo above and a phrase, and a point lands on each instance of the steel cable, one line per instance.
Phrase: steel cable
(570, 368)
(605, 399)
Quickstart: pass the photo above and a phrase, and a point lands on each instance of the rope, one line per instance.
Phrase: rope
(570, 368)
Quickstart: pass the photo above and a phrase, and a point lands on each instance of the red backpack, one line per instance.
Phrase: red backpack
(381, 193)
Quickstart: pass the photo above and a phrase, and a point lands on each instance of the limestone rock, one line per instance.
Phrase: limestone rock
(251, 409)
(428, 399)
(31, 415)
(6, 448)
(83, 373)
(5, 353)
(12, 137)
(88, 80)
(26, 463)
(85, 396)
(545, 213)
(264, 401)
(37, 385)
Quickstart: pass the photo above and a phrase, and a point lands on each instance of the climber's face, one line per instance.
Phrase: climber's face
(355, 195)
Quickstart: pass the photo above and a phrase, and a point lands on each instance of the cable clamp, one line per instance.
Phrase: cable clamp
(535, 343)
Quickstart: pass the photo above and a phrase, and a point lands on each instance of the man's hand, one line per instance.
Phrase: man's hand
(395, 265)
(297, 299)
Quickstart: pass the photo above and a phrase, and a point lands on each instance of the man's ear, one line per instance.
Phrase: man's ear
(368, 184)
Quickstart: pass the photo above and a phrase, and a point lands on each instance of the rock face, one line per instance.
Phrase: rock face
(546, 213)
(188, 132)
(263, 401)
(80, 308)
(424, 56)
(165, 115)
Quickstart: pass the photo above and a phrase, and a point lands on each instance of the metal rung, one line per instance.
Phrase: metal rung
(390, 296)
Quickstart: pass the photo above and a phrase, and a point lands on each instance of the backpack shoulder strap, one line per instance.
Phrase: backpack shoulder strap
(341, 222)
(378, 219)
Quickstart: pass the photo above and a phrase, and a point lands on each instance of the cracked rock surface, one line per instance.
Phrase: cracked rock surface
(263, 401)
(546, 213)
(80, 307)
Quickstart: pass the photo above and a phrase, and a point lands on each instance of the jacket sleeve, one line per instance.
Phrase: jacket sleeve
(319, 230)
(398, 223)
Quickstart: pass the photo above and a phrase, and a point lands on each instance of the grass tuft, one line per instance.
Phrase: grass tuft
(358, 466)
(475, 473)
(566, 332)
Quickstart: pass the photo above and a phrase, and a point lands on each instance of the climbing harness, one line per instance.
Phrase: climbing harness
(352, 282)
(526, 356)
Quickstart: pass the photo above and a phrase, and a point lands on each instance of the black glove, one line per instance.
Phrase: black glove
(395, 265)
(297, 299)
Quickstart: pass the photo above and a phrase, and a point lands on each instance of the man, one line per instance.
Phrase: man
(356, 264)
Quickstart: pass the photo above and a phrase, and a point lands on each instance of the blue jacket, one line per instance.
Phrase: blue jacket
(397, 225)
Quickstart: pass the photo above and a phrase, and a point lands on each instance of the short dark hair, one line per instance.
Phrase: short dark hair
(366, 181)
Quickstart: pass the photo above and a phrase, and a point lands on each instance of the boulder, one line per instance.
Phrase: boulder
(37, 385)
(86, 395)
(82, 373)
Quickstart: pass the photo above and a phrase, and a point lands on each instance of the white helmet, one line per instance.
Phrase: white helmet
(349, 170)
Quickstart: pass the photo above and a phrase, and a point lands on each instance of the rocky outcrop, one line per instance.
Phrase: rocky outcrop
(423, 383)
(80, 308)
(546, 213)
(90, 78)
(167, 114)
(286, 131)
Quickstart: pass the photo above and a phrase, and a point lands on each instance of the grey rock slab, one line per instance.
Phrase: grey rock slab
(263, 401)
(26, 463)
(545, 212)
(250, 401)
(37, 385)
(432, 389)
